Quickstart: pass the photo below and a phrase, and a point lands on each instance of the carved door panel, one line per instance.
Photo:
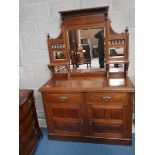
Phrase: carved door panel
(66, 119)
(105, 120)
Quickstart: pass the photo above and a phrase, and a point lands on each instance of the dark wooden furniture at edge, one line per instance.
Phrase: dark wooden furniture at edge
(95, 106)
(29, 131)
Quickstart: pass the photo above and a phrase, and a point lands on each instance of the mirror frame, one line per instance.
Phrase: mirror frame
(91, 18)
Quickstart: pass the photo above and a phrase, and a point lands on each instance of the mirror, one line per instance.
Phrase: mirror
(116, 82)
(59, 55)
(116, 68)
(116, 52)
(60, 69)
(86, 48)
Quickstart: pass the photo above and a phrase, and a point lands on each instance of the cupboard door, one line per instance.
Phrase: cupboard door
(105, 120)
(65, 119)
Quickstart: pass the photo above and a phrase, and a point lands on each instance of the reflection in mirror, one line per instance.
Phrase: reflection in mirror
(60, 69)
(116, 68)
(116, 82)
(116, 52)
(86, 48)
(59, 55)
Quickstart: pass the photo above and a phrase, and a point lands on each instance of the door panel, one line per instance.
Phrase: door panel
(65, 112)
(108, 128)
(66, 119)
(66, 125)
(105, 120)
(116, 114)
(98, 113)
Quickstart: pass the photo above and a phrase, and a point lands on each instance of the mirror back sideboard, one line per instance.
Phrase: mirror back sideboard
(88, 105)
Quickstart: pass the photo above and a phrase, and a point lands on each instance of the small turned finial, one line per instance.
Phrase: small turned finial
(62, 17)
(106, 16)
(126, 30)
(48, 36)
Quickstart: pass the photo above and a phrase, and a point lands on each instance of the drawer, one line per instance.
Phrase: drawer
(28, 148)
(74, 98)
(25, 136)
(107, 98)
(25, 110)
(24, 125)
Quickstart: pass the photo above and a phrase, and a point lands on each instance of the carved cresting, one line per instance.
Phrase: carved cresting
(61, 35)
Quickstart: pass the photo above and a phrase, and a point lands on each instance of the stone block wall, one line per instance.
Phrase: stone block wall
(39, 17)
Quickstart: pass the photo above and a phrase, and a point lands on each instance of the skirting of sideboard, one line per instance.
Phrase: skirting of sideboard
(112, 141)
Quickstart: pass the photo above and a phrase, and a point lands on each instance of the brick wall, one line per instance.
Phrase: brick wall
(39, 17)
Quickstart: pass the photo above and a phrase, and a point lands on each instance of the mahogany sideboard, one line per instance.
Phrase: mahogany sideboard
(90, 109)
(29, 131)
(89, 104)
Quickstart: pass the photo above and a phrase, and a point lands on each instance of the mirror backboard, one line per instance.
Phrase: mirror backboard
(58, 55)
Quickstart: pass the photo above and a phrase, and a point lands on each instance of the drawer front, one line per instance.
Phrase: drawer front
(74, 98)
(28, 148)
(25, 110)
(25, 136)
(27, 130)
(24, 125)
(107, 98)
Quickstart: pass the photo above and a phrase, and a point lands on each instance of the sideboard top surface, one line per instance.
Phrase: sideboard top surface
(89, 84)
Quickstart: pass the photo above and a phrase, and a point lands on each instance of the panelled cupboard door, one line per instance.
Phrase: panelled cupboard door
(65, 117)
(107, 120)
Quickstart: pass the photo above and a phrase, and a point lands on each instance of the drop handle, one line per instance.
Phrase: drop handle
(106, 98)
(63, 98)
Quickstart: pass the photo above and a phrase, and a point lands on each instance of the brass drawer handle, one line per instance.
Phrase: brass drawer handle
(63, 98)
(106, 98)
